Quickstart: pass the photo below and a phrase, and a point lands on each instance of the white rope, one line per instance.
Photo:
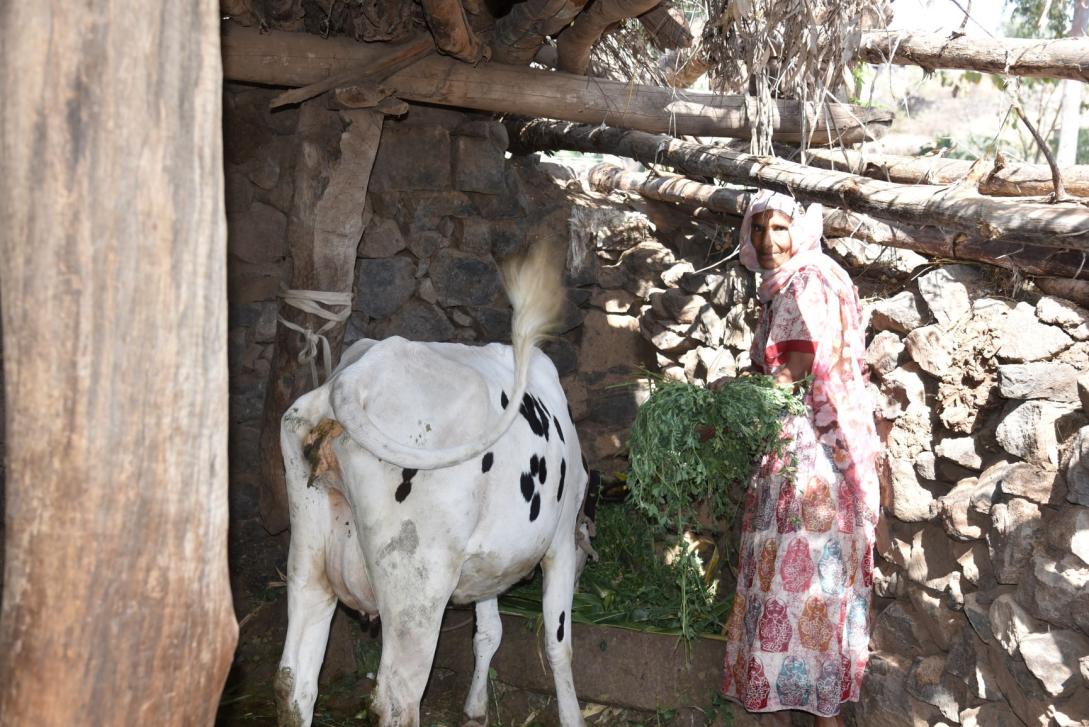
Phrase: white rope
(312, 302)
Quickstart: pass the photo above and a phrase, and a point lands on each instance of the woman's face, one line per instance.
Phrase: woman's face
(771, 238)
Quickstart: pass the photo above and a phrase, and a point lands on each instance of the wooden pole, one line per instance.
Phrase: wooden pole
(837, 223)
(116, 605)
(1056, 226)
(336, 153)
(1000, 180)
(293, 59)
(574, 44)
(1063, 58)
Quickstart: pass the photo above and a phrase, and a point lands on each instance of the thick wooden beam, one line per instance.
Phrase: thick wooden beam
(520, 33)
(450, 27)
(928, 240)
(999, 179)
(336, 153)
(116, 606)
(666, 27)
(290, 59)
(1063, 58)
(1057, 226)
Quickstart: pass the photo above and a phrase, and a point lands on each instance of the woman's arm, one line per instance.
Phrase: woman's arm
(795, 368)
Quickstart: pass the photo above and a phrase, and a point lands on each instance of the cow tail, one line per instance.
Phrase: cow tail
(534, 284)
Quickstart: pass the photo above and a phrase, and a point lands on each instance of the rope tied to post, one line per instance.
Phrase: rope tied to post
(316, 303)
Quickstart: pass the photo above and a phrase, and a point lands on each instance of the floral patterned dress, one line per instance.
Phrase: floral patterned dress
(798, 634)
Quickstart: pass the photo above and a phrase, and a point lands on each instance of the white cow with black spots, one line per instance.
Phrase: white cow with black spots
(451, 471)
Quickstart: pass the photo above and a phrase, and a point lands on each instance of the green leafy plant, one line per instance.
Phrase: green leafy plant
(693, 450)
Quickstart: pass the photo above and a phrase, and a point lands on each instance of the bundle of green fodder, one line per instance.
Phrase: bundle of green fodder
(694, 450)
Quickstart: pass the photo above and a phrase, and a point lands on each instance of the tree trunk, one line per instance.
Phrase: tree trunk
(1058, 226)
(117, 607)
(326, 223)
(1001, 180)
(575, 43)
(299, 58)
(1064, 58)
(1067, 153)
(837, 223)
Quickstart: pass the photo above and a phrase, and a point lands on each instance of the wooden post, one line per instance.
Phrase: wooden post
(116, 605)
(326, 223)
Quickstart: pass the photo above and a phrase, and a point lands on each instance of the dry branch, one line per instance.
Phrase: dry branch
(1063, 58)
(1057, 226)
(522, 31)
(301, 58)
(575, 43)
(838, 223)
(666, 27)
(450, 28)
(1003, 180)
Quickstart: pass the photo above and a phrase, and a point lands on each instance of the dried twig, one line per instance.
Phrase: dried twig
(1059, 194)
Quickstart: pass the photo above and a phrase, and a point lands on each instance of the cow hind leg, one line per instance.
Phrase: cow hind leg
(489, 632)
(559, 586)
(310, 606)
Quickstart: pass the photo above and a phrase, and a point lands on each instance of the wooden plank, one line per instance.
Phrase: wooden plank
(326, 223)
(1062, 58)
(1057, 226)
(117, 606)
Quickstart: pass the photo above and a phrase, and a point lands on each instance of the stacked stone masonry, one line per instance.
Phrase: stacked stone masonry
(982, 608)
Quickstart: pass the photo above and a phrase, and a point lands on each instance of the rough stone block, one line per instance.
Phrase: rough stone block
(258, 235)
(901, 493)
(1052, 658)
(1015, 529)
(929, 346)
(1077, 468)
(1072, 318)
(1028, 431)
(610, 341)
(961, 450)
(381, 239)
(412, 159)
(1068, 531)
(1057, 590)
(1023, 338)
(958, 518)
(479, 166)
(1044, 486)
(900, 313)
(383, 286)
(1039, 380)
(883, 353)
(462, 279)
(1010, 623)
(945, 291)
(417, 321)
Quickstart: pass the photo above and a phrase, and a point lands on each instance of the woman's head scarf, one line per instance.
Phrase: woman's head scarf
(806, 227)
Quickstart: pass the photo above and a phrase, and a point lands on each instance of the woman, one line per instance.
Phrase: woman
(797, 635)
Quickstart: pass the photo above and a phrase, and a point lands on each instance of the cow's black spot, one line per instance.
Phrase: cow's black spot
(535, 507)
(527, 486)
(563, 474)
(534, 413)
(534, 465)
(559, 430)
(487, 463)
(543, 473)
(405, 487)
(559, 631)
(504, 400)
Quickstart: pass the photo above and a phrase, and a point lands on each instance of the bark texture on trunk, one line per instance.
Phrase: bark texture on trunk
(450, 27)
(1057, 226)
(287, 59)
(838, 223)
(666, 27)
(1063, 58)
(336, 153)
(116, 606)
(520, 33)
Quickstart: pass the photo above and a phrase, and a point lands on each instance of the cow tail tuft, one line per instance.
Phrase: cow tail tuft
(534, 285)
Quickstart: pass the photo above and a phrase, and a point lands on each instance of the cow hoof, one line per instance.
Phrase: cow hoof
(475, 722)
